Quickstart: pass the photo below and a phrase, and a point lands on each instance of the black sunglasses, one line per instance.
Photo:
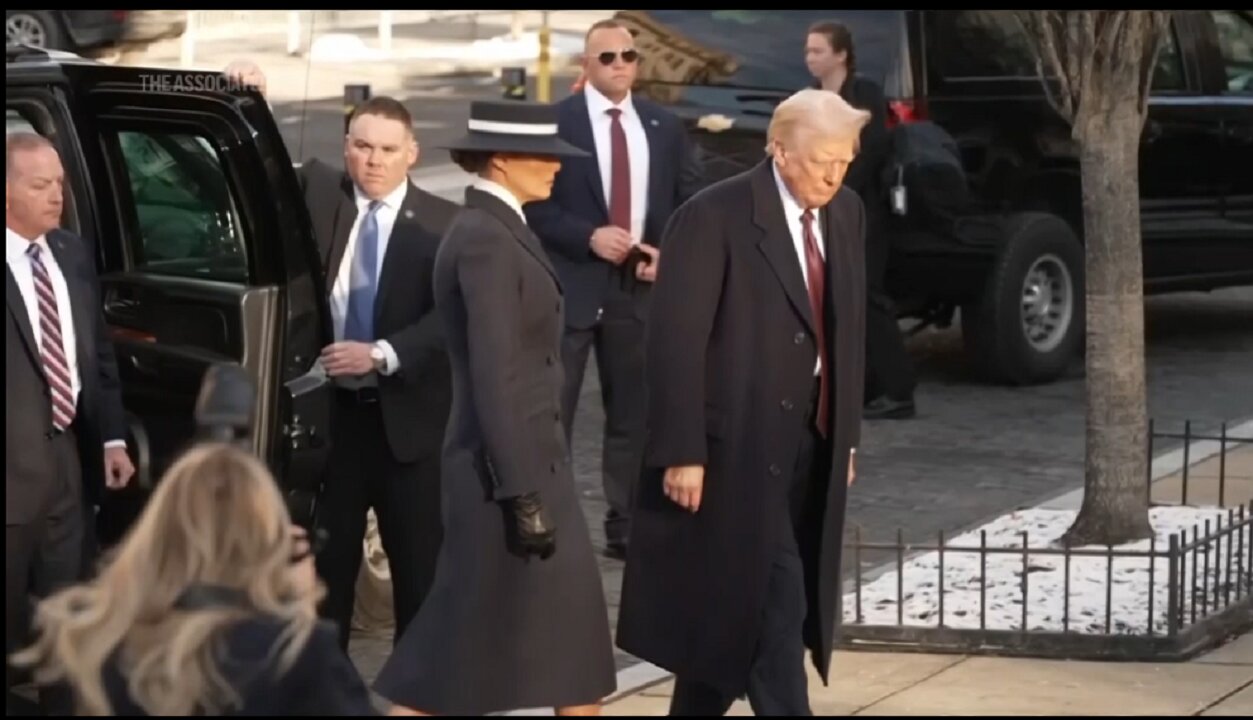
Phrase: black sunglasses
(317, 541)
(628, 56)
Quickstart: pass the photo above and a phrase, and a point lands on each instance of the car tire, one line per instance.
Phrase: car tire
(41, 22)
(1028, 323)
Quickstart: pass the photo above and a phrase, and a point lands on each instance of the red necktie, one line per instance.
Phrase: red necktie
(52, 347)
(816, 269)
(619, 174)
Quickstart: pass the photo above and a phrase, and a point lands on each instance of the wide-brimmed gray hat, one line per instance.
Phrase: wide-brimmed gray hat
(512, 126)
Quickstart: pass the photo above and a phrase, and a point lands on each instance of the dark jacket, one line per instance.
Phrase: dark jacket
(323, 680)
(565, 222)
(415, 399)
(31, 476)
(730, 368)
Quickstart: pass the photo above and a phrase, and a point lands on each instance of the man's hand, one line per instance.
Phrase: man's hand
(118, 468)
(647, 272)
(852, 468)
(611, 243)
(246, 72)
(347, 358)
(684, 484)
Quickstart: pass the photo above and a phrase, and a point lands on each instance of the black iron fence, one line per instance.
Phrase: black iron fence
(1053, 601)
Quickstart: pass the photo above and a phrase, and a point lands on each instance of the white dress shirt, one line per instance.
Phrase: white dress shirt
(792, 212)
(494, 188)
(385, 216)
(637, 151)
(19, 263)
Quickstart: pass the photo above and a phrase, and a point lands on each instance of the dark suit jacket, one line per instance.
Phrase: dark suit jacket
(565, 222)
(30, 474)
(730, 367)
(323, 680)
(415, 399)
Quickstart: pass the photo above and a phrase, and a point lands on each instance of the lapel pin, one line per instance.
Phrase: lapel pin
(408, 214)
(653, 122)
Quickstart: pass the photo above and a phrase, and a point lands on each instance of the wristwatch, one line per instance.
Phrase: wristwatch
(378, 357)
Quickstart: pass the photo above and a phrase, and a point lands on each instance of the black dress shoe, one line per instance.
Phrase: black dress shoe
(616, 551)
(886, 408)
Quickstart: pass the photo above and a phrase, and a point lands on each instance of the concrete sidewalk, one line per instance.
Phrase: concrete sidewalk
(1219, 683)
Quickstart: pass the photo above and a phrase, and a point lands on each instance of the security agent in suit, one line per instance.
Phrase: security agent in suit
(602, 230)
(378, 234)
(63, 400)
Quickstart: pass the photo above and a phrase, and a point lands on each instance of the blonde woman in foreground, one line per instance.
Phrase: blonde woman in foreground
(207, 608)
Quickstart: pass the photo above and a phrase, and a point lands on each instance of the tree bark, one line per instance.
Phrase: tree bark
(1115, 502)
(1102, 62)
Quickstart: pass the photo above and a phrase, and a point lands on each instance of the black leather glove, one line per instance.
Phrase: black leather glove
(533, 532)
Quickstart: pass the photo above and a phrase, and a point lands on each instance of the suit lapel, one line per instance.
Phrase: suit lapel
(836, 235)
(498, 209)
(581, 136)
(345, 216)
(652, 131)
(405, 230)
(776, 241)
(17, 308)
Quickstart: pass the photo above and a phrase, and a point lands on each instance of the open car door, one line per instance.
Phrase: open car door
(206, 254)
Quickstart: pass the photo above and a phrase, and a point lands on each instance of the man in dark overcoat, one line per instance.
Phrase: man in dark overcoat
(755, 357)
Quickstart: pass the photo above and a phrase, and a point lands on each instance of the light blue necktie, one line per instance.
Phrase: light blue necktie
(363, 279)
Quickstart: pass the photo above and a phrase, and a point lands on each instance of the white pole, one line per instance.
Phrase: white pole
(385, 30)
(293, 32)
(187, 55)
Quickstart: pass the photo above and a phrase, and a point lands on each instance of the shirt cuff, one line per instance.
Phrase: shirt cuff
(391, 361)
(115, 444)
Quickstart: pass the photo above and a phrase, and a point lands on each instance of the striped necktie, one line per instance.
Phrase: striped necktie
(52, 346)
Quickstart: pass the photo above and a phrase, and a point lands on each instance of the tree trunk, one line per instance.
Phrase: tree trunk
(1115, 502)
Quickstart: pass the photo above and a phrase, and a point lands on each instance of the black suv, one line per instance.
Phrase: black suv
(972, 73)
(186, 191)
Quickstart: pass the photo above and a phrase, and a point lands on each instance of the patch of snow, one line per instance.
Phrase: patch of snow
(1129, 603)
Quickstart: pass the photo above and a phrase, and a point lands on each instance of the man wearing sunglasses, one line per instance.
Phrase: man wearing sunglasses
(602, 228)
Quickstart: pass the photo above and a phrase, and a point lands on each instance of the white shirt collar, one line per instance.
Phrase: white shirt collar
(392, 201)
(495, 188)
(598, 104)
(15, 245)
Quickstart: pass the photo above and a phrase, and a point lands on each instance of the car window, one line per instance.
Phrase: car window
(980, 44)
(1168, 75)
(1235, 42)
(14, 122)
(187, 220)
(756, 48)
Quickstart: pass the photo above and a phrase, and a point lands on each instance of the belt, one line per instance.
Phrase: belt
(359, 396)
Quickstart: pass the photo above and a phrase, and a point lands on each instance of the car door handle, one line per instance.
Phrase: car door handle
(141, 366)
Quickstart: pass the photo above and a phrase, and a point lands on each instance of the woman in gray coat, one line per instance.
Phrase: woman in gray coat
(516, 617)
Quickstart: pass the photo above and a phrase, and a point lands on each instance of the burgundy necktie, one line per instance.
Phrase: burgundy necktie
(52, 346)
(619, 174)
(816, 269)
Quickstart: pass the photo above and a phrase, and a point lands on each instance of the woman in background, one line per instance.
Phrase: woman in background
(890, 378)
(208, 607)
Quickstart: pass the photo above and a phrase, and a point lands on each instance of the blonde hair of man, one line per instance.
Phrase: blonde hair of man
(814, 112)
